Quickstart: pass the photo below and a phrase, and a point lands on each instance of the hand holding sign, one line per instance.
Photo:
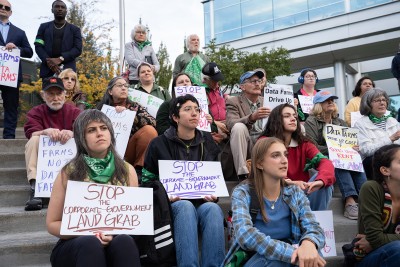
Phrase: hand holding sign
(260, 113)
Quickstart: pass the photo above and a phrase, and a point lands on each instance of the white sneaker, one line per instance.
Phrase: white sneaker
(351, 211)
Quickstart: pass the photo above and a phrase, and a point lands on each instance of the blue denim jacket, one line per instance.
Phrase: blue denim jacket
(304, 225)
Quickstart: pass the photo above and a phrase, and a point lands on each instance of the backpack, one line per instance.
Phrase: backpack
(158, 249)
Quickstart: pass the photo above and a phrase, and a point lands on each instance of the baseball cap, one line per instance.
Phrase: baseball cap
(322, 96)
(51, 82)
(211, 69)
(248, 74)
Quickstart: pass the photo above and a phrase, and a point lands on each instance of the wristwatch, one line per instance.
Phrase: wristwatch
(62, 58)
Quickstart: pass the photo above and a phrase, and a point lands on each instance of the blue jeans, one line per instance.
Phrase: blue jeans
(319, 200)
(385, 256)
(188, 222)
(349, 182)
(258, 260)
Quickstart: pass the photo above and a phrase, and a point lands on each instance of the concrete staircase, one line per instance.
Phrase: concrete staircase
(24, 240)
(345, 229)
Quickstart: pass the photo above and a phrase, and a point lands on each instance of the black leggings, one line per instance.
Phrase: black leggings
(86, 251)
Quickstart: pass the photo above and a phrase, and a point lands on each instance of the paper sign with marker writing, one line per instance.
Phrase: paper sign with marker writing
(276, 94)
(340, 141)
(192, 179)
(148, 101)
(9, 66)
(200, 94)
(91, 208)
(325, 219)
(122, 123)
(52, 156)
(306, 103)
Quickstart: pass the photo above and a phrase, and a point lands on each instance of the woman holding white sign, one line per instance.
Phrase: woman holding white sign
(325, 112)
(95, 162)
(273, 221)
(184, 142)
(143, 129)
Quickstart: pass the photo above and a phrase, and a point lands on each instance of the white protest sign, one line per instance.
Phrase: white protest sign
(276, 94)
(340, 141)
(150, 102)
(355, 116)
(122, 123)
(306, 103)
(325, 219)
(192, 179)
(52, 156)
(9, 66)
(200, 94)
(91, 207)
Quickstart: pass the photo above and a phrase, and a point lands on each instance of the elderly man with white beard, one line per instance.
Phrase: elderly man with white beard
(54, 118)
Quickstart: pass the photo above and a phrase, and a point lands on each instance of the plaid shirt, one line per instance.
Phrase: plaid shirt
(304, 225)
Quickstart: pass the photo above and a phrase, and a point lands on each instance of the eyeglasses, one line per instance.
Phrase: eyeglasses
(7, 8)
(255, 81)
(122, 85)
(379, 100)
(140, 32)
(190, 109)
(311, 77)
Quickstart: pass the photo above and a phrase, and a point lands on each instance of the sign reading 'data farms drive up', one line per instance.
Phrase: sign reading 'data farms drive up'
(52, 156)
(277, 94)
(9, 66)
(91, 207)
(192, 179)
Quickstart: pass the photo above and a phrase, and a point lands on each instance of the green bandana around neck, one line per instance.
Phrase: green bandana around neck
(143, 44)
(375, 119)
(101, 170)
(193, 69)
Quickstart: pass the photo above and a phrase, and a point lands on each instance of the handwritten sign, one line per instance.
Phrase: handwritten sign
(52, 156)
(340, 141)
(355, 116)
(306, 103)
(276, 94)
(91, 207)
(325, 219)
(200, 94)
(122, 123)
(150, 102)
(9, 66)
(192, 179)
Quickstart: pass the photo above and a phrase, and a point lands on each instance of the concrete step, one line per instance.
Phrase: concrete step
(20, 221)
(26, 249)
(19, 133)
(13, 176)
(12, 145)
(12, 160)
(14, 195)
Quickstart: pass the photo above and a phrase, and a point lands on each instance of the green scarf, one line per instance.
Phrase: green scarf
(375, 119)
(193, 69)
(143, 44)
(101, 170)
(148, 176)
(312, 164)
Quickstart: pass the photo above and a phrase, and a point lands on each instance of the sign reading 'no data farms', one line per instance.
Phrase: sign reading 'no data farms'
(91, 207)
(200, 94)
(122, 123)
(277, 94)
(52, 156)
(9, 66)
(306, 103)
(192, 179)
(340, 141)
(150, 102)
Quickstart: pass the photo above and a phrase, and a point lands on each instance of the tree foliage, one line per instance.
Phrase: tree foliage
(233, 62)
(163, 77)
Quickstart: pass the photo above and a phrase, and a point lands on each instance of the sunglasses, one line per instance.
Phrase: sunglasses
(7, 8)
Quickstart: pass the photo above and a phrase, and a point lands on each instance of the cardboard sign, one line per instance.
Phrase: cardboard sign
(91, 207)
(276, 94)
(306, 103)
(340, 141)
(325, 219)
(122, 123)
(355, 116)
(200, 94)
(192, 179)
(52, 156)
(9, 66)
(150, 102)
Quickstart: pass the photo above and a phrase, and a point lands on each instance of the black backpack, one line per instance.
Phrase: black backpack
(158, 249)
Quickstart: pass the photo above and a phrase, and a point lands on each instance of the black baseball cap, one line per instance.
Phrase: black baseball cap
(51, 82)
(211, 69)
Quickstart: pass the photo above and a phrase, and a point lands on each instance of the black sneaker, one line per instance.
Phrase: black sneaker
(34, 203)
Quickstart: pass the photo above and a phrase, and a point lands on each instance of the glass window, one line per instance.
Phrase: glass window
(256, 11)
(330, 10)
(228, 36)
(263, 27)
(319, 3)
(206, 7)
(290, 21)
(227, 19)
(360, 4)
(224, 3)
(287, 8)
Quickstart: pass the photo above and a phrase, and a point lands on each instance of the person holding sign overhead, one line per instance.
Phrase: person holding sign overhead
(54, 119)
(182, 141)
(308, 78)
(325, 112)
(11, 37)
(96, 162)
(283, 216)
(303, 155)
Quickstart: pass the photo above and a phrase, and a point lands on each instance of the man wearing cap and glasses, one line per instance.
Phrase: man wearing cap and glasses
(54, 119)
(58, 43)
(11, 37)
(244, 114)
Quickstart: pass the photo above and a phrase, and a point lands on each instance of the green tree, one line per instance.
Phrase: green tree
(163, 77)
